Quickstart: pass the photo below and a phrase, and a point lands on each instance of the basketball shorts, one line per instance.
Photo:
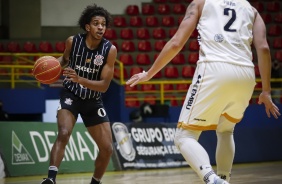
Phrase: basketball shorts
(217, 89)
(91, 111)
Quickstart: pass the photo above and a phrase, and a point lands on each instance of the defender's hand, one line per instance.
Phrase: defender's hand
(270, 107)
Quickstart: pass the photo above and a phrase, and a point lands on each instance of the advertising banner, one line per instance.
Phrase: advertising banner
(141, 145)
(26, 146)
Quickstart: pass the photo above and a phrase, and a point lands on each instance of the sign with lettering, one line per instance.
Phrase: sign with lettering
(146, 145)
(26, 148)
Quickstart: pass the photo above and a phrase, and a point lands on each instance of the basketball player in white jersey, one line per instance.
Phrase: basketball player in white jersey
(223, 82)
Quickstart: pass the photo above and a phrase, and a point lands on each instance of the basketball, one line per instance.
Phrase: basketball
(47, 69)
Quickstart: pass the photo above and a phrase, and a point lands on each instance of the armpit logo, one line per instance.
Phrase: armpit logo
(218, 38)
(193, 93)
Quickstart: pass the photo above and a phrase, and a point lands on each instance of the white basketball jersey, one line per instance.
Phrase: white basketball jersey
(225, 32)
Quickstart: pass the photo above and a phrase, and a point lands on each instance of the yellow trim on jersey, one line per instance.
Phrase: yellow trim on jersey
(231, 119)
(195, 127)
(203, 128)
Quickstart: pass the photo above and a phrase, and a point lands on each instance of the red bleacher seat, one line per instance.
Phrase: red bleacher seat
(188, 71)
(144, 46)
(182, 87)
(278, 55)
(257, 71)
(168, 87)
(277, 43)
(159, 44)
(126, 59)
(171, 99)
(126, 33)
(142, 33)
(171, 72)
(178, 59)
(132, 101)
(6, 60)
(148, 87)
(148, 9)
(135, 70)
(278, 17)
(46, 47)
(132, 10)
(159, 33)
(29, 47)
(193, 57)
(163, 9)
(179, 19)
(127, 88)
(273, 6)
(110, 34)
(274, 30)
(151, 99)
(127, 46)
(60, 46)
(194, 34)
(172, 31)
(143, 59)
(117, 73)
(13, 47)
(135, 21)
(168, 21)
(194, 45)
(258, 5)
(158, 75)
(115, 44)
(266, 17)
(119, 21)
(152, 21)
(179, 9)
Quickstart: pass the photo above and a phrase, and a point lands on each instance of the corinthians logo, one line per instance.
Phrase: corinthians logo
(124, 141)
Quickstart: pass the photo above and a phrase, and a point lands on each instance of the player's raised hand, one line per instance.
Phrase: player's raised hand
(270, 107)
(137, 78)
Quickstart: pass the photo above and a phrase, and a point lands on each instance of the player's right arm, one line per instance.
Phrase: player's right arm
(64, 59)
(264, 63)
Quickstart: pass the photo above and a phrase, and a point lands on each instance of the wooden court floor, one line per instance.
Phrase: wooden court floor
(255, 173)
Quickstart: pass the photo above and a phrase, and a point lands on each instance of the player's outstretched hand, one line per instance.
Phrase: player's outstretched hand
(270, 107)
(137, 78)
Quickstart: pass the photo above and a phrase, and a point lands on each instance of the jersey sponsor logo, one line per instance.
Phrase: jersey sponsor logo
(218, 38)
(193, 93)
(86, 69)
(68, 101)
(98, 60)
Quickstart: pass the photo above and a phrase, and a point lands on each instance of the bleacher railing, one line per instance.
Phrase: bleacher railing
(20, 71)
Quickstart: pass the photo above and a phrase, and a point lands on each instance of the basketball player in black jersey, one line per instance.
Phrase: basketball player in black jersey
(88, 63)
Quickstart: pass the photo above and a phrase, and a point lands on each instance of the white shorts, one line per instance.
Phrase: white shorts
(218, 89)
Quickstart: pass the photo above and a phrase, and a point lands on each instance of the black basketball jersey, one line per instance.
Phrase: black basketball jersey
(88, 64)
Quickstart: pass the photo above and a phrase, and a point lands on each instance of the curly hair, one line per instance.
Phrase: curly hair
(92, 11)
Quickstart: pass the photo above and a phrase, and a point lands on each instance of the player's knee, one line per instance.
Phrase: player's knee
(64, 135)
(106, 150)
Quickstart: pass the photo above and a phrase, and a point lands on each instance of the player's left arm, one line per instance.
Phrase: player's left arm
(106, 75)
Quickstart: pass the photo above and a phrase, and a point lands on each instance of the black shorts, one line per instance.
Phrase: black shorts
(91, 111)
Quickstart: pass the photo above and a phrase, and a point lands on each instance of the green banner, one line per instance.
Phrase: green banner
(26, 146)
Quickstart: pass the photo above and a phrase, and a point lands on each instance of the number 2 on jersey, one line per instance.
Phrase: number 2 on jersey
(232, 19)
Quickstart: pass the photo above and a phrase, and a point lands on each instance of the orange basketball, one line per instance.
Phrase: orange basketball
(47, 69)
